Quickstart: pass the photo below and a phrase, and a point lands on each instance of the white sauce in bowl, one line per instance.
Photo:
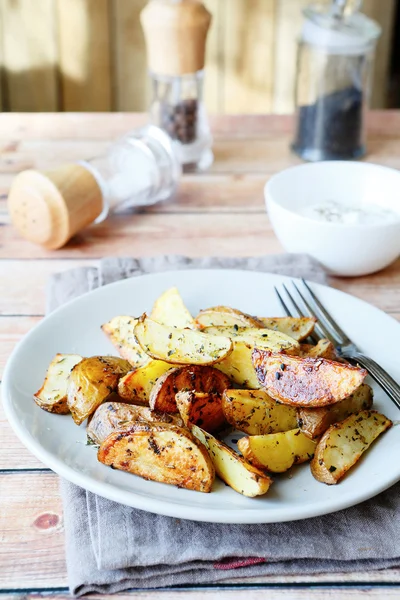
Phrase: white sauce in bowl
(332, 211)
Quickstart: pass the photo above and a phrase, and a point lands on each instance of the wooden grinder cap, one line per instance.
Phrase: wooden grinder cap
(176, 33)
(48, 208)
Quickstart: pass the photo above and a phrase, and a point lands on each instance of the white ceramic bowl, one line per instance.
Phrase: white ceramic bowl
(343, 249)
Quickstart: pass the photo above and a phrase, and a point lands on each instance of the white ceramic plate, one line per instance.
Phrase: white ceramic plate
(75, 328)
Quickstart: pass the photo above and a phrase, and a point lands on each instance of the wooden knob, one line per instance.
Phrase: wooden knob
(176, 34)
(48, 208)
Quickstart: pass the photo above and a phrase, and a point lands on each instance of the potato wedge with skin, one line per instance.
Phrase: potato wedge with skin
(120, 331)
(169, 309)
(239, 365)
(343, 443)
(232, 468)
(275, 341)
(315, 421)
(202, 409)
(160, 452)
(91, 381)
(136, 386)
(113, 416)
(180, 346)
(195, 378)
(256, 413)
(224, 316)
(297, 328)
(305, 381)
(277, 452)
(324, 349)
(52, 396)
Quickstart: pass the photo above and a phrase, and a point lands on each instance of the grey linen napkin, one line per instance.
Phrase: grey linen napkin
(111, 547)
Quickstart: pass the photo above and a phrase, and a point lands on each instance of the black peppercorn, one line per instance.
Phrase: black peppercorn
(180, 120)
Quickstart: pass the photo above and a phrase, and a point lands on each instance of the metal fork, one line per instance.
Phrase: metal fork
(327, 327)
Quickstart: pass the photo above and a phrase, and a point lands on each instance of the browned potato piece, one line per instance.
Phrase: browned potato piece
(238, 364)
(343, 443)
(52, 396)
(113, 416)
(225, 316)
(256, 413)
(314, 421)
(305, 381)
(297, 328)
(191, 378)
(202, 409)
(91, 381)
(120, 331)
(160, 452)
(324, 349)
(232, 468)
(136, 386)
(169, 309)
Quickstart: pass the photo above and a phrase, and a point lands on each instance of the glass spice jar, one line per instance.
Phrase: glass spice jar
(176, 32)
(334, 68)
(140, 169)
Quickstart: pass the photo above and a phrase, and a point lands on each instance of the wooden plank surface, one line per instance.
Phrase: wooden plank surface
(221, 212)
(84, 55)
(215, 58)
(249, 56)
(29, 55)
(383, 126)
(131, 81)
(386, 19)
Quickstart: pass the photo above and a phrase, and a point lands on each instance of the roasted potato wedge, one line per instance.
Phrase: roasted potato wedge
(136, 386)
(232, 468)
(297, 328)
(195, 378)
(202, 409)
(113, 416)
(180, 346)
(52, 396)
(277, 452)
(315, 421)
(256, 413)
(120, 331)
(160, 452)
(91, 381)
(343, 443)
(324, 349)
(267, 339)
(305, 381)
(224, 316)
(169, 309)
(238, 365)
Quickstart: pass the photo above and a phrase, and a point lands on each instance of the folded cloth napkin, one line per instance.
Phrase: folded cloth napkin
(111, 547)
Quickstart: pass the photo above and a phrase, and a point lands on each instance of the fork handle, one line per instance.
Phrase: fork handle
(387, 383)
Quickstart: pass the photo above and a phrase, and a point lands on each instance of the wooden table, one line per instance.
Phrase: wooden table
(217, 213)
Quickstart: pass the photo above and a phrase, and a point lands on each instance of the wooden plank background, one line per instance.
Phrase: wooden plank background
(89, 55)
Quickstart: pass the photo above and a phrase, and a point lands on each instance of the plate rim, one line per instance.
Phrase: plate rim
(169, 507)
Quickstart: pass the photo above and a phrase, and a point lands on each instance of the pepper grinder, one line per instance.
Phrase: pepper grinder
(334, 68)
(176, 34)
(49, 207)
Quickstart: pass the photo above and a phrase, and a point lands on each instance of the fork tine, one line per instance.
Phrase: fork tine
(338, 331)
(319, 325)
(300, 313)
(292, 300)
(281, 300)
